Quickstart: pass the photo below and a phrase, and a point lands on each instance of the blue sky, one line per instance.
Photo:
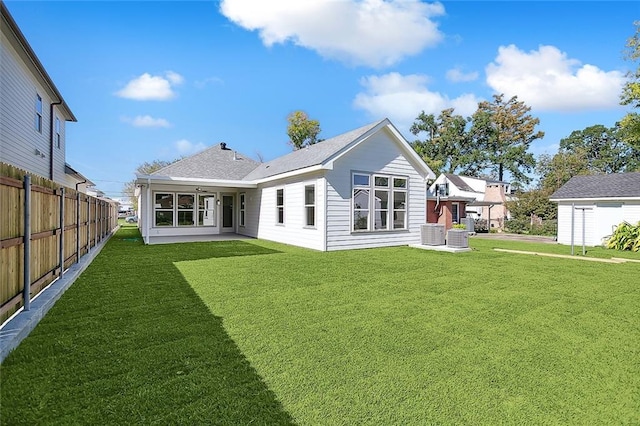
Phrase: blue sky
(162, 79)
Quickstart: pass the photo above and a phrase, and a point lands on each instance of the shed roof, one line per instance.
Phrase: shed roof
(614, 185)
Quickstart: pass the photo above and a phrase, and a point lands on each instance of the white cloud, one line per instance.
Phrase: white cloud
(402, 97)
(546, 79)
(456, 75)
(185, 147)
(146, 121)
(366, 32)
(201, 84)
(151, 88)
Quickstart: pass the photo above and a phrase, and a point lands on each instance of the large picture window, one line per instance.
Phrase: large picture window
(172, 209)
(378, 202)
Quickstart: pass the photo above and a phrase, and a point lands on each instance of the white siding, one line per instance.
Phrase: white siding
(380, 154)
(600, 221)
(294, 230)
(252, 212)
(19, 139)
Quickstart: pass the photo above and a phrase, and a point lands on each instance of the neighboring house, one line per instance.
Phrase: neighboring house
(364, 188)
(595, 205)
(33, 114)
(453, 197)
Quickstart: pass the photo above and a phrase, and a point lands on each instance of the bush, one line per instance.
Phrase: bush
(625, 237)
(523, 226)
(481, 225)
(459, 226)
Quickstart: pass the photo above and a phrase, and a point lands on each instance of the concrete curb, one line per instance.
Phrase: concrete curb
(19, 327)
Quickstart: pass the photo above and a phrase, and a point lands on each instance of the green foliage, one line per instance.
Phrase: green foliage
(446, 146)
(480, 225)
(504, 131)
(625, 237)
(301, 130)
(556, 170)
(631, 91)
(535, 201)
(524, 226)
(459, 226)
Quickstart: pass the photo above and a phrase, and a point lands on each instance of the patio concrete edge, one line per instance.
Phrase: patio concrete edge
(19, 327)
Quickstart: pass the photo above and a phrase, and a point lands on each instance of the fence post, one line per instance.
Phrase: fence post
(95, 239)
(88, 224)
(26, 294)
(61, 231)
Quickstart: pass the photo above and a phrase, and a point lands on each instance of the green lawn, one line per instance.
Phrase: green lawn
(253, 332)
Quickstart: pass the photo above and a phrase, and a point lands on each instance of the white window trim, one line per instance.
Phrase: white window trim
(38, 117)
(457, 220)
(156, 209)
(280, 206)
(242, 209)
(58, 137)
(371, 208)
(196, 209)
(314, 205)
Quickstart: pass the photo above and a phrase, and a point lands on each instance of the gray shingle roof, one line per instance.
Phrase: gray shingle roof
(615, 185)
(310, 156)
(212, 163)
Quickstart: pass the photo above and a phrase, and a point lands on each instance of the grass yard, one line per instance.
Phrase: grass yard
(253, 332)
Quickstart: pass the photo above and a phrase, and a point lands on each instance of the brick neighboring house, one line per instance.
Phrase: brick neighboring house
(453, 197)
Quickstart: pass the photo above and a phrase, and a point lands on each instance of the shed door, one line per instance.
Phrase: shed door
(609, 215)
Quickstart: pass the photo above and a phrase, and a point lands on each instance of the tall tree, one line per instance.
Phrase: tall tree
(556, 170)
(143, 169)
(603, 148)
(630, 123)
(504, 130)
(446, 146)
(301, 130)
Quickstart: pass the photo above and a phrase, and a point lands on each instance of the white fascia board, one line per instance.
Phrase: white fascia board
(292, 173)
(170, 180)
(404, 145)
(581, 200)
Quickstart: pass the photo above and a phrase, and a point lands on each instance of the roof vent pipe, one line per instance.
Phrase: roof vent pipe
(235, 157)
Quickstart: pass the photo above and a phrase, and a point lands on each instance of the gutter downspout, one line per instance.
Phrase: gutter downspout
(51, 137)
(148, 215)
(80, 183)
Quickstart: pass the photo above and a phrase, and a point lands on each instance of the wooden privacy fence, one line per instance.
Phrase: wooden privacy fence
(44, 229)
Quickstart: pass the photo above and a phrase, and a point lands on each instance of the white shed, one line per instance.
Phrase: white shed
(601, 202)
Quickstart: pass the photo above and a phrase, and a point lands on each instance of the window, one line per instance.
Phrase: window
(186, 204)
(280, 206)
(58, 142)
(310, 205)
(38, 121)
(442, 189)
(206, 210)
(399, 203)
(242, 209)
(379, 202)
(361, 202)
(455, 212)
(163, 209)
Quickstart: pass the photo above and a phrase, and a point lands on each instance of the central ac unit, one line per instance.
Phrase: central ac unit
(432, 234)
(458, 238)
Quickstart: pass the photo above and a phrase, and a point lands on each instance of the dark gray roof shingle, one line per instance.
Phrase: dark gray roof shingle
(615, 185)
(212, 163)
(309, 156)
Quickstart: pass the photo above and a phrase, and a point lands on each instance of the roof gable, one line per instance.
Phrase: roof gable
(614, 185)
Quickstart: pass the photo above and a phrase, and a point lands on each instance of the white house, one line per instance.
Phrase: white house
(364, 188)
(33, 113)
(595, 205)
(482, 198)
